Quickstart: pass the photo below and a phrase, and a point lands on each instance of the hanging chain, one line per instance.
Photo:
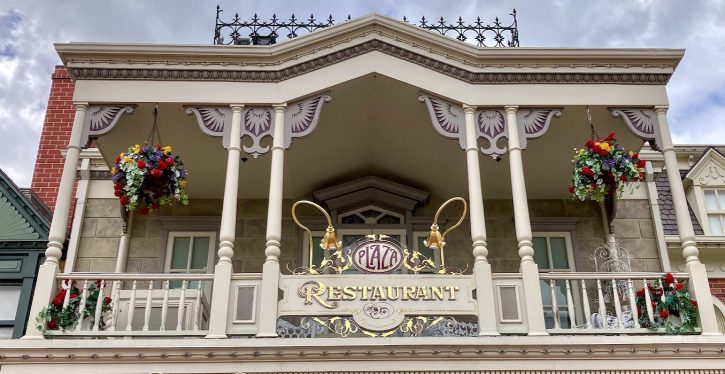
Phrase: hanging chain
(155, 134)
(594, 134)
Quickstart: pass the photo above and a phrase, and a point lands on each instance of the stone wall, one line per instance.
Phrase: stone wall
(102, 228)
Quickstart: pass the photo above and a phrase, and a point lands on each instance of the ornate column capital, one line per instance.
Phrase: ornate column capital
(80, 105)
(280, 107)
(468, 109)
(511, 108)
(236, 107)
(661, 109)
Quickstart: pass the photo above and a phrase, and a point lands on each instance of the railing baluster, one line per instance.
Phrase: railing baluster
(662, 290)
(67, 286)
(99, 306)
(114, 312)
(570, 305)
(648, 301)
(633, 303)
(602, 308)
(182, 301)
(554, 304)
(617, 304)
(197, 306)
(82, 307)
(147, 311)
(585, 301)
(131, 307)
(165, 306)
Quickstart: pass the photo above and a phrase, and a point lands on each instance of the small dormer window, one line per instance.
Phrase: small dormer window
(371, 215)
(715, 210)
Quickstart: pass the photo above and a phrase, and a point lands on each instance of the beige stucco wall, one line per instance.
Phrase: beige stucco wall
(102, 228)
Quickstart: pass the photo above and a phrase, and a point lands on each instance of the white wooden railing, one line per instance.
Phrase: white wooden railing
(141, 304)
(597, 302)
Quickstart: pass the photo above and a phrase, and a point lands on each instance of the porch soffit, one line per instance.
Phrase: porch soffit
(357, 37)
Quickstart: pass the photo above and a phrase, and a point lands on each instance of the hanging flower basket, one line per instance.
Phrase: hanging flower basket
(602, 168)
(672, 308)
(146, 177)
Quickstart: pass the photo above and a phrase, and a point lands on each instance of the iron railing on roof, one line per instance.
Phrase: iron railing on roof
(258, 32)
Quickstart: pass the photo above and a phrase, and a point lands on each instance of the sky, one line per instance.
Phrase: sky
(28, 29)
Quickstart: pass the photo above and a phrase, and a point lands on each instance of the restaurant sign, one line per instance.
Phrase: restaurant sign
(377, 302)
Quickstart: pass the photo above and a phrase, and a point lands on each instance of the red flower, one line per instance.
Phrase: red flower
(623, 178)
(58, 299)
(603, 152)
(73, 295)
(118, 193)
(162, 165)
(107, 300)
(155, 205)
(118, 159)
(141, 164)
(587, 172)
(679, 286)
(640, 293)
(170, 161)
(52, 325)
(641, 163)
(664, 314)
(158, 147)
(124, 200)
(157, 173)
(635, 156)
(610, 137)
(669, 278)
(590, 143)
(143, 211)
(694, 303)
(117, 186)
(571, 189)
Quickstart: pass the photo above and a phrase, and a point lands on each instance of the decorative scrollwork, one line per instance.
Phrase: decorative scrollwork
(338, 262)
(642, 122)
(500, 35)
(100, 119)
(258, 32)
(378, 310)
(417, 263)
(411, 326)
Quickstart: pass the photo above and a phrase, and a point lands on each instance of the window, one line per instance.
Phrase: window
(10, 296)
(715, 210)
(553, 252)
(189, 252)
(371, 215)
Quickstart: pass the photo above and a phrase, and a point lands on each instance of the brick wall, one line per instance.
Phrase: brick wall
(717, 288)
(54, 137)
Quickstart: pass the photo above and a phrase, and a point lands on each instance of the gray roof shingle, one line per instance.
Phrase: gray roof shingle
(667, 211)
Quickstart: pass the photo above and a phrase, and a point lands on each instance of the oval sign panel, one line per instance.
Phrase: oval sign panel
(377, 256)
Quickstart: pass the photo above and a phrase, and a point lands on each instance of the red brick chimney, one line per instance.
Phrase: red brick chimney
(54, 138)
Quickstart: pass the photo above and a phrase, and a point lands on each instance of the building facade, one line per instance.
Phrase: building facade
(388, 128)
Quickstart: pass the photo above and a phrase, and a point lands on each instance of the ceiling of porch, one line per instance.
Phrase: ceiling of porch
(374, 125)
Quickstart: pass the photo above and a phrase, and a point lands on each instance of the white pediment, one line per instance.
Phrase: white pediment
(708, 171)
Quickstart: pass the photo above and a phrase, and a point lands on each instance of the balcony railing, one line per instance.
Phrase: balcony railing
(140, 304)
(169, 305)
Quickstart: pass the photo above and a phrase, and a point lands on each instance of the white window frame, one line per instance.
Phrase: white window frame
(569, 249)
(370, 220)
(193, 234)
(717, 212)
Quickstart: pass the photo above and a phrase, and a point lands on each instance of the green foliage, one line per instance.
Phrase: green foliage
(56, 317)
(676, 303)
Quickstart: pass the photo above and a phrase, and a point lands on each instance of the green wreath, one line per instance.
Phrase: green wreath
(668, 300)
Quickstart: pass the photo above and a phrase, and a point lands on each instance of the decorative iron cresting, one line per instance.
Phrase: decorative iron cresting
(258, 32)
(344, 326)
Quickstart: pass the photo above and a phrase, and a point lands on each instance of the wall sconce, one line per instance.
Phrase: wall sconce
(328, 242)
(435, 239)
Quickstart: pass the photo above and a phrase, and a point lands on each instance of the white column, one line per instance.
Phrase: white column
(481, 267)
(270, 270)
(227, 232)
(698, 284)
(529, 269)
(45, 285)
(78, 215)
(123, 244)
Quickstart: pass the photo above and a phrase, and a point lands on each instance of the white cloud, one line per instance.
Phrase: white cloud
(28, 29)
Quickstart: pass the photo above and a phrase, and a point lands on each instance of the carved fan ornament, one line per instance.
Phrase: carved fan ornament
(258, 122)
(100, 119)
(448, 120)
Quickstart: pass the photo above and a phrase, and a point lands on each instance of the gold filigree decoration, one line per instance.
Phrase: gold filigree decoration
(417, 263)
(337, 262)
(411, 326)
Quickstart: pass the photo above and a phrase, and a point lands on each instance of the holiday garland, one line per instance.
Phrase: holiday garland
(602, 167)
(57, 317)
(146, 177)
(670, 300)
